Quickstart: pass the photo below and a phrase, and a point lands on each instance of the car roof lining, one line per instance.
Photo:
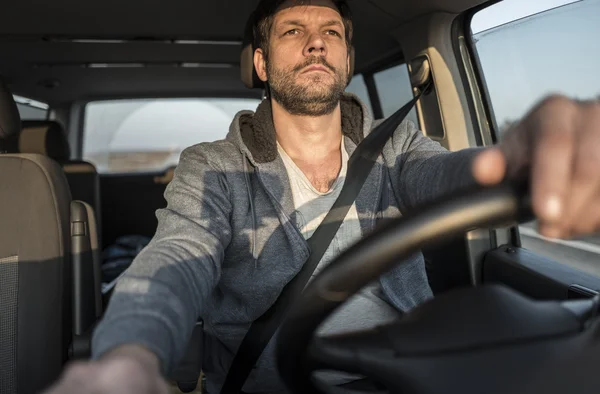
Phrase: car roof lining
(60, 52)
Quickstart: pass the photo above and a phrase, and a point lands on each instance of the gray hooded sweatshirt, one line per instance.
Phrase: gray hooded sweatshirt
(227, 243)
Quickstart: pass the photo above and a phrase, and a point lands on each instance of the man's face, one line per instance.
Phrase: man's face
(307, 62)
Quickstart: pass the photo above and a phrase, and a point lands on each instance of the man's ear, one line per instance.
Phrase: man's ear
(348, 64)
(260, 64)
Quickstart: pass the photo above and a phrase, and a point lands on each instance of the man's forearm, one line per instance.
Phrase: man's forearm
(427, 178)
(156, 304)
(160, 297)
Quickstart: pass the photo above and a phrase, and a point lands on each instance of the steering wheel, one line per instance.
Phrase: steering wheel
(486, 339)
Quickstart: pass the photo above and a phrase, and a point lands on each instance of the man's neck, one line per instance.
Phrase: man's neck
(306, 138)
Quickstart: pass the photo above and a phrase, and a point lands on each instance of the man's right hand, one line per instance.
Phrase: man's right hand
(129, 369)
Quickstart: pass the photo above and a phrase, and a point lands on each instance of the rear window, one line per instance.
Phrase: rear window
(395, 90)
(148, 135)
(31, 109)
(359, 88)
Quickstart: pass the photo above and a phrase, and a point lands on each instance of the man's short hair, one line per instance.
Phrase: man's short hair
(265, 12)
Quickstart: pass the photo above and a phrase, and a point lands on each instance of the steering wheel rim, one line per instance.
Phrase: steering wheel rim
(385, 248)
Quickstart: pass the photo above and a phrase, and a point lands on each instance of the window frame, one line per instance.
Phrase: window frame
(478, 70)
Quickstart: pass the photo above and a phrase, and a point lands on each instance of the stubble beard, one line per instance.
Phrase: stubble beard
(316, 96)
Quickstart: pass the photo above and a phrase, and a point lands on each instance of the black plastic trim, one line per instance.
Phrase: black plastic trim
(535, 275)
(373, 96)
(84, 291)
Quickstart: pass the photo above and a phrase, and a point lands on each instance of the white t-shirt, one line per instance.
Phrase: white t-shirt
(365, 309)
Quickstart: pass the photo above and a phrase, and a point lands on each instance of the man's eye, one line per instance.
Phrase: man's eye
(334, 33)
(291, 32)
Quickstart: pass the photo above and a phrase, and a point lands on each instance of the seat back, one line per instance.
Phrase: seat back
(42, 234)
(35, 303)
(35, 273)
(49, 139)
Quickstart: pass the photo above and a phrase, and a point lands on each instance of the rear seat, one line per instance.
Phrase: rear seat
(49, 139)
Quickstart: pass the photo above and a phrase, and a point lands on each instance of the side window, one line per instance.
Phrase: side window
(31, 109)
(394, 89)
(536, 50)
(359, 88)
(148, 135)
(526, 51)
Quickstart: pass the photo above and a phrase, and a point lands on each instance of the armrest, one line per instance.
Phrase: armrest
(85, 290)
(81, 346)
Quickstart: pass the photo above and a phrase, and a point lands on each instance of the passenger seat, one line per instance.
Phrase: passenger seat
(49, 139)
(48, 293)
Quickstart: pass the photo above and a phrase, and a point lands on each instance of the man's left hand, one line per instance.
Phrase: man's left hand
(557, 145)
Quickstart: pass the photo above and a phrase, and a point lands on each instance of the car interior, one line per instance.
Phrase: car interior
(71, 223)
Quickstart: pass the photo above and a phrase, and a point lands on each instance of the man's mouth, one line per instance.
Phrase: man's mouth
(316, 68)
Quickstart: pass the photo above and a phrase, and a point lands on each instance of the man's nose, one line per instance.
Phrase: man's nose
(315, 46)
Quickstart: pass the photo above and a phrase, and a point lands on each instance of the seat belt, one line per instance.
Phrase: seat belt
(262, 329)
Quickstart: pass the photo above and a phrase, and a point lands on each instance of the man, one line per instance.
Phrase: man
(230, 238)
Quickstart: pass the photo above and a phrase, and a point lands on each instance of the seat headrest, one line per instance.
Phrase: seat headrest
(248, 72)
(45, 138)
(10, 120)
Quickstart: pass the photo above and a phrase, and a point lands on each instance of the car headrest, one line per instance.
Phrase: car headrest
(10, 120)
(45, 138)
(248, 72)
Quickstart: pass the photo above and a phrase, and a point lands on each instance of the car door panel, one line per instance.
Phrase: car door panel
(537, 276)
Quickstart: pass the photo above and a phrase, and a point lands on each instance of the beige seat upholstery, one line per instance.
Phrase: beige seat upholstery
(44, 298)
(35, 303)
(35, 275)
(49, 139)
